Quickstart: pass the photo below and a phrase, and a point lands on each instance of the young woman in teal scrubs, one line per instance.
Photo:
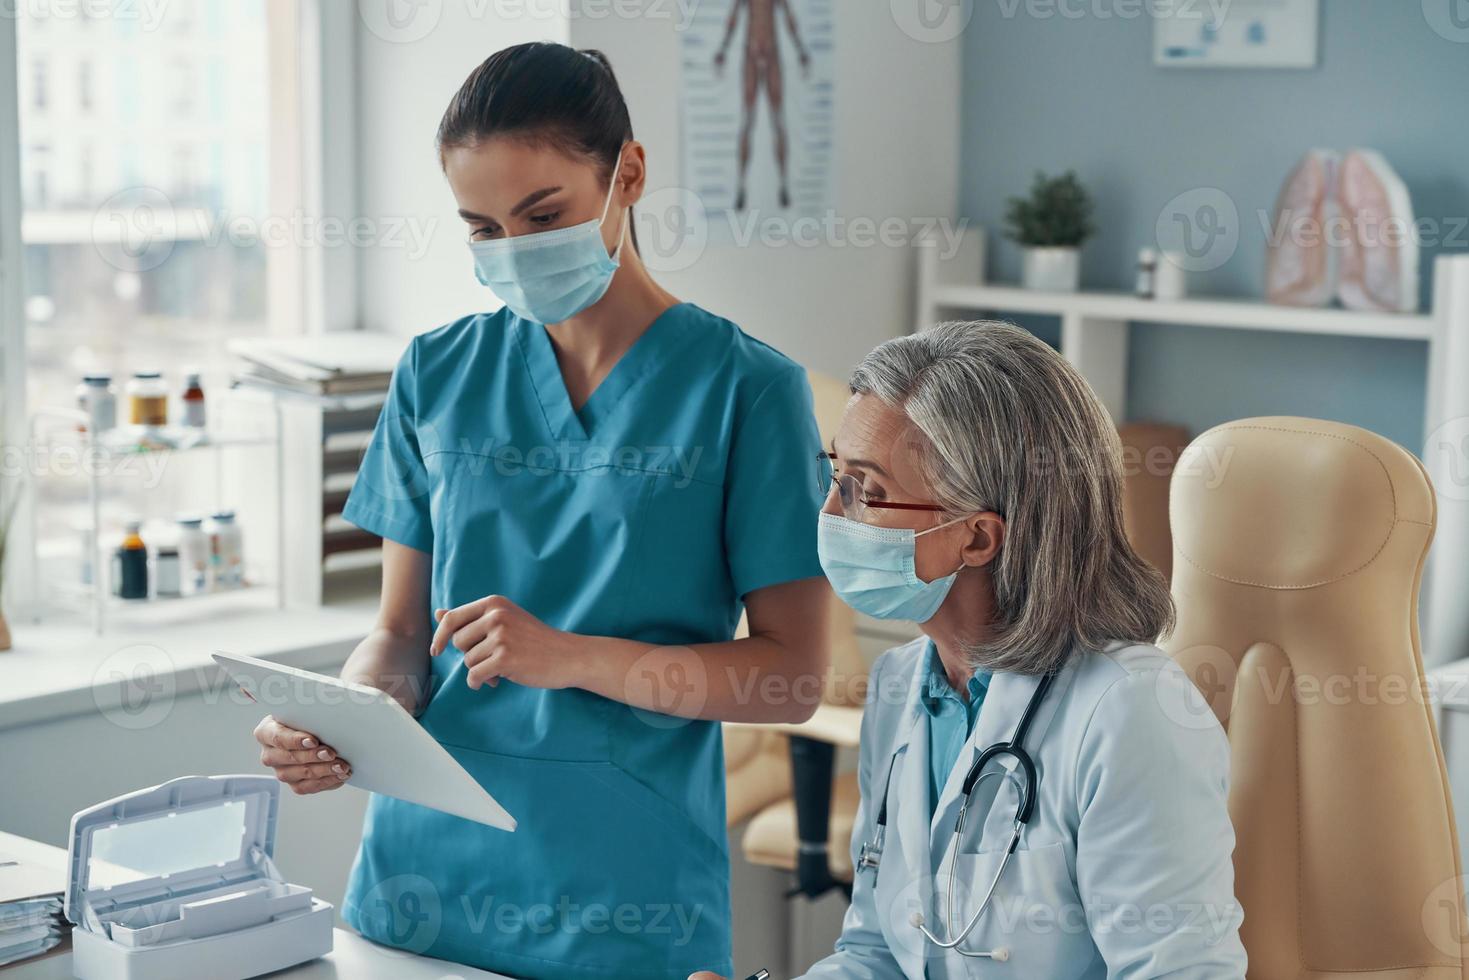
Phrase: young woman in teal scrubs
(577, 494)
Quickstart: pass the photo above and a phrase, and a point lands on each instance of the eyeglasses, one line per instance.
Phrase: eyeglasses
(849, 489)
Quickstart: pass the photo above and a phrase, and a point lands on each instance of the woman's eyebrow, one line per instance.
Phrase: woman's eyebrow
(861, 464)
(530, 199)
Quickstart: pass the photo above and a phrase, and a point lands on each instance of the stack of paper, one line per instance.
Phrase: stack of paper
(31, 919)
(341, 363)
(30, 928)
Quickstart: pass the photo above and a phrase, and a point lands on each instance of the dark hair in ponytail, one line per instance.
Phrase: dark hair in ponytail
(542, 92)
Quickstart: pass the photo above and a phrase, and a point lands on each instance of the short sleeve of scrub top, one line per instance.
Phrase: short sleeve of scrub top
(763, 509)
(684, 483)
(390, 495)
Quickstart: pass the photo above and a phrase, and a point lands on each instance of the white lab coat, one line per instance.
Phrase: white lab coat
(1125, 869)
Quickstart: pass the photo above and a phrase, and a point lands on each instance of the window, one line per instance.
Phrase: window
(134, 193)
(126, 224)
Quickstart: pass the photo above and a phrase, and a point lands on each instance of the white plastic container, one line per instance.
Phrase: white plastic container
(97, 398)
(195, 556)
(178, 881)
(226, 550)
(167, 580)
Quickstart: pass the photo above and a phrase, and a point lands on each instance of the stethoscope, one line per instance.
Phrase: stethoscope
(870, 854)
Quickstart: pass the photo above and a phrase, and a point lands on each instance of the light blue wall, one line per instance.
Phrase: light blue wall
(1082, 92)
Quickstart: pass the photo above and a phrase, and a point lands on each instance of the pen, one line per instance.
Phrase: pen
(759, 975)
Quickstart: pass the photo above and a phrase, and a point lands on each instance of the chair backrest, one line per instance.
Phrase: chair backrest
(1150, 450)
(846, 680)
(1298, 550)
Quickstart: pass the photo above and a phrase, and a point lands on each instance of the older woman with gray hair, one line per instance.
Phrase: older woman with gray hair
(1044, 793)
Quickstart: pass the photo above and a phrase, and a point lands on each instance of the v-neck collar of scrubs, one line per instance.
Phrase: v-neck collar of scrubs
(950, 718)
(564, 421)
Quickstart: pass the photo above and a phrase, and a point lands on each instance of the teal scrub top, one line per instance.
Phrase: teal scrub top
(950, 720)
(684, 483)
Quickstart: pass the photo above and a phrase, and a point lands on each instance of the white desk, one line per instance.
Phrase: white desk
(352, 957)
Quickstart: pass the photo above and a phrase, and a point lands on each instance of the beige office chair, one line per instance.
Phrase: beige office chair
(1298, 549)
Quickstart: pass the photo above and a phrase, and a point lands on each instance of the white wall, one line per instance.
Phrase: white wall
(406, 75)
(897, 126)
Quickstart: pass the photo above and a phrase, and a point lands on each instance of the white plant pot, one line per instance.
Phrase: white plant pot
(1051, 269)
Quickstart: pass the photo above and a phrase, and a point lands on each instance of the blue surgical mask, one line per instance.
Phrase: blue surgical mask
(551, 276)
(871, 569)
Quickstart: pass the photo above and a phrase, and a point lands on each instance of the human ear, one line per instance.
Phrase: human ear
(986, 538)
(632, 175)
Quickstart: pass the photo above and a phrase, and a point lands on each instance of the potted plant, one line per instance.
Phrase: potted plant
(1050, 225)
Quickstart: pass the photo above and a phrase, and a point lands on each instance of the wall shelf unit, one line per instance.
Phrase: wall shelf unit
(1094, 338)
(107, 458)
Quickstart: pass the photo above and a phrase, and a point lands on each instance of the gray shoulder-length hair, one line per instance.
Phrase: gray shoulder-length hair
(1009, 426)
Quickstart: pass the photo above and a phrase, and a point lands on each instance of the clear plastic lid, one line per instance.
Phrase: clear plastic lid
(145, 843)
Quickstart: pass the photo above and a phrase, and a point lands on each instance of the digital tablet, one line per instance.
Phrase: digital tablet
(390, 752)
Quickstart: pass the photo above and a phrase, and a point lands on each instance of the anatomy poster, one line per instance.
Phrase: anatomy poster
(757, 108)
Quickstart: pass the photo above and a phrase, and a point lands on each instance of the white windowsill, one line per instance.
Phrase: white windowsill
(59, 669)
